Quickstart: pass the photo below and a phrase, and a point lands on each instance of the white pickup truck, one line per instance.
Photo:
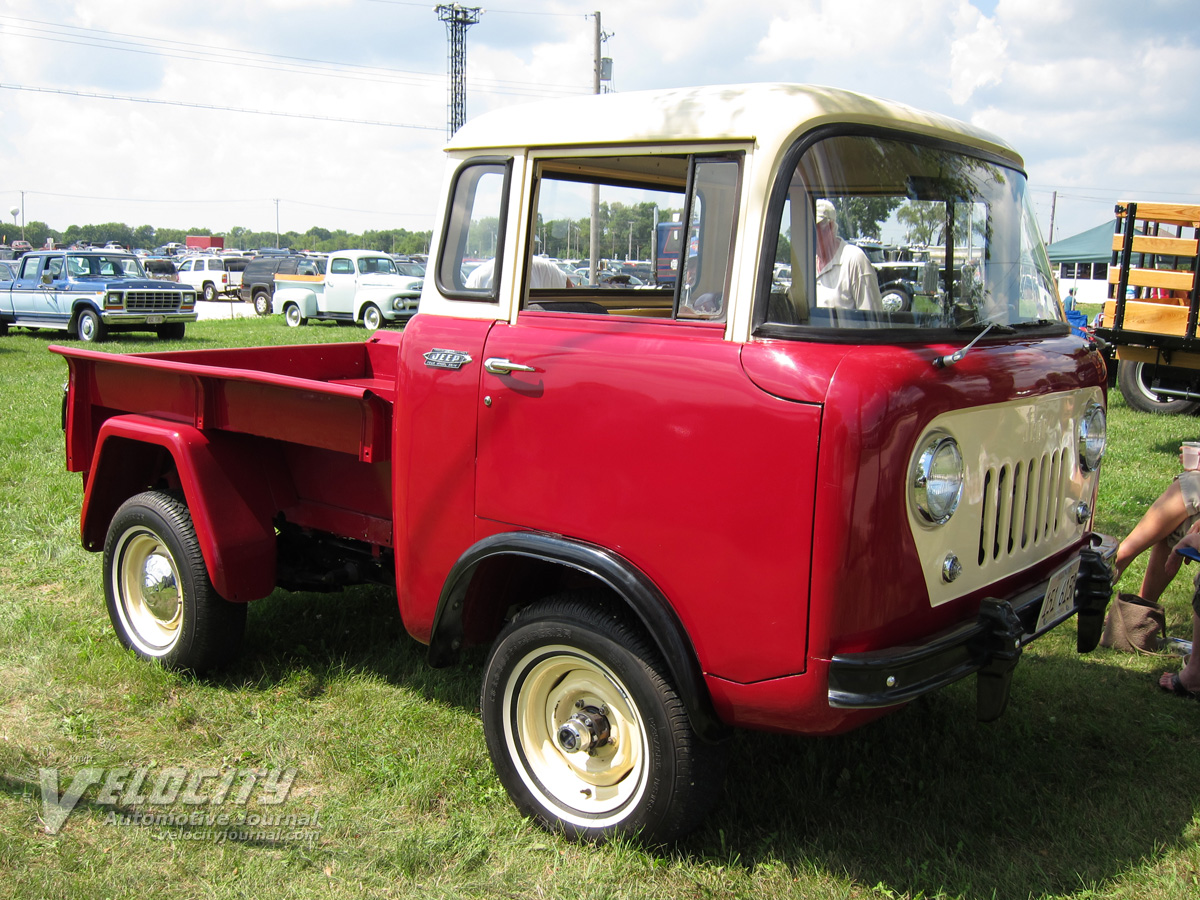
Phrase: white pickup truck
(362, 286)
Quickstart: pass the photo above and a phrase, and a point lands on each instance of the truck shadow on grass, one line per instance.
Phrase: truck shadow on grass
(1088, 775)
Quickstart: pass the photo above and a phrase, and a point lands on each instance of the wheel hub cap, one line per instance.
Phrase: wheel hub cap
(584, 732)
(160, 589)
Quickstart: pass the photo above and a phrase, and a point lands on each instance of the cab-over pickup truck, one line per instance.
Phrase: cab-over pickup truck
(92, 292)
(669, 512)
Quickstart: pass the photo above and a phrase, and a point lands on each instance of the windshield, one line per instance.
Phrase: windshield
(104, 267)
(376, 265)
(882, 233)
(410, 269)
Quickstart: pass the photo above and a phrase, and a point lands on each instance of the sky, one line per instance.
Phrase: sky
(297, 113)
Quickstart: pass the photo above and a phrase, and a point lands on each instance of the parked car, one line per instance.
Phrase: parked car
(213, 276)
(92, 292)
(258, 278)
(161, 268)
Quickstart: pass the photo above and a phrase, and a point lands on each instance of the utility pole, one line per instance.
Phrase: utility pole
(1053, 206)
(458, 19)
(276, 223)
(594, 248)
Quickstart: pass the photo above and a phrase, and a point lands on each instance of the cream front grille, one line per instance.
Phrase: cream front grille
(1022, 486)
(1023, 504)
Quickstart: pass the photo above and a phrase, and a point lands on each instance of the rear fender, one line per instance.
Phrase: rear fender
(302, 297)
(221, 477)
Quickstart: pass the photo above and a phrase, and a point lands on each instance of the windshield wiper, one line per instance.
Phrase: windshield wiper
(950, 359)
(1037, 323)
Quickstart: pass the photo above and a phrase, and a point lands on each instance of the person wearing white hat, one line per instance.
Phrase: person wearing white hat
(845, 277)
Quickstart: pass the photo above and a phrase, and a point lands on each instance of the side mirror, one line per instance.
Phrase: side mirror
(47, 278)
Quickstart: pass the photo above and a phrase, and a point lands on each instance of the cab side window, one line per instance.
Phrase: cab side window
(467, 268)
(341, 267)
(663, 229)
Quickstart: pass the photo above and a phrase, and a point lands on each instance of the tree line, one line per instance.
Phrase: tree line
(396, 240)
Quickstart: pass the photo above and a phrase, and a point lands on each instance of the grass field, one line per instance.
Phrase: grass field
(1085, 788)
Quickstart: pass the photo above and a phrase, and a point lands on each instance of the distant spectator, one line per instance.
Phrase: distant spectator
(542, 274)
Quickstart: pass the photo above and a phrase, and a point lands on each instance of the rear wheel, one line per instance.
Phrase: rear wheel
(262, 303)
(89, 326)
(210, 291)
(160, 599)
(587, 733)
(291, 315)
(372, 318)
(1135, 379)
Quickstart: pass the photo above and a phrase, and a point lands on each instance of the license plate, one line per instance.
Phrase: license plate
(154, 320)
(1060, 594)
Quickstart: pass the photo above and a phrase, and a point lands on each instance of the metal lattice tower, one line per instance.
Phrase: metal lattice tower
(458, 19)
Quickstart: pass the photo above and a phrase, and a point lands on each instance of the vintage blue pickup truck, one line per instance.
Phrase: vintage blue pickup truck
(90, 293)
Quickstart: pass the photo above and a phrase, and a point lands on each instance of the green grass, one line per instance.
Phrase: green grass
(1085, 788)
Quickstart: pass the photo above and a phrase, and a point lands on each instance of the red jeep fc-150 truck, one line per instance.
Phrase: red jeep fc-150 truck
(669, 511)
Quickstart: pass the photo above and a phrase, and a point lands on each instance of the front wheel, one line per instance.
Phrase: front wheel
(1135, 379)
(372, 318)
(160, 599)
(291, 315)
(586, 731)
(89, 326)
(172, 331)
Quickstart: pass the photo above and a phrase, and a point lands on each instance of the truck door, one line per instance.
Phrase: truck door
(341, 282)
(36, 298)
(622, 417)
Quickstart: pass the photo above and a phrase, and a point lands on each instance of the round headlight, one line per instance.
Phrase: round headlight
(937, 479)
(1093, 435)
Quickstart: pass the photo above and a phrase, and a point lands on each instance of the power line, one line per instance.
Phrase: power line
(212, 106)
(252, 59)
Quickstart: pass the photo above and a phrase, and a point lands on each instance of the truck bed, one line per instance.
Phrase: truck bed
(332, 396)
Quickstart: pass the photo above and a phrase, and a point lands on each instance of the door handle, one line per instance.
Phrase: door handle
(497, 366)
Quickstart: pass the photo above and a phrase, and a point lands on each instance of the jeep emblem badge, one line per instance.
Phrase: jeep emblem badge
(446, 359)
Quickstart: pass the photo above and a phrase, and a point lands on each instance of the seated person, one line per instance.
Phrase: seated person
(1172, 520)
(845, 277)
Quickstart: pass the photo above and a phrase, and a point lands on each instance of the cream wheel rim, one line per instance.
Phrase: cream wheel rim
(549, 687)
(148, 593)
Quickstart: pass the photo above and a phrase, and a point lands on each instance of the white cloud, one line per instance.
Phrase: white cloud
(977, 59)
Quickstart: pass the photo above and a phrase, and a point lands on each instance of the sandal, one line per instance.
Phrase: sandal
(1179, 690)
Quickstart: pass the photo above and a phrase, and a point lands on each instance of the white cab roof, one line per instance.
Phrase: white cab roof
(772, 115)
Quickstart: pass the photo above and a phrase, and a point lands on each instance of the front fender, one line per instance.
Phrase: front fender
(631, 587)
(222, 483)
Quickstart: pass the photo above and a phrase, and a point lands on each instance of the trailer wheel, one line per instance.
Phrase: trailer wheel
(586, 732)
(1135, 379)
(262, 303)
(160, 599)
(89, 326)
(291, 315)
(372, 318)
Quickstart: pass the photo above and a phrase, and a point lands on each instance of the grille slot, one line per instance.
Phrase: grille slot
(152, 301)
(1023, 502)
